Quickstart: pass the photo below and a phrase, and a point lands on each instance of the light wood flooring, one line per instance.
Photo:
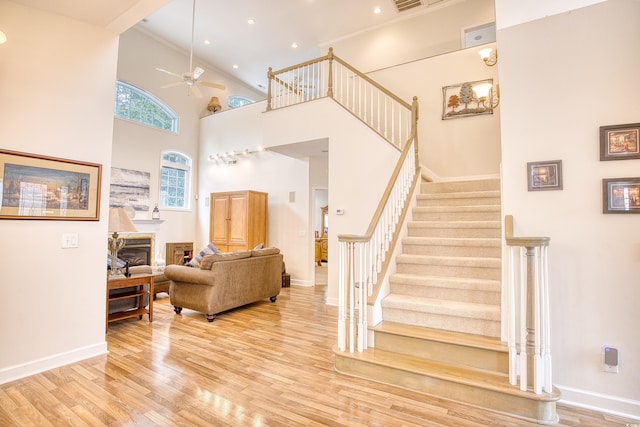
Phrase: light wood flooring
(267, 364)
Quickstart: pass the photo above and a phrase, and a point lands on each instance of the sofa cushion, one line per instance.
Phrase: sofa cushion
(207, 250)
(208, 261)
(265, 251)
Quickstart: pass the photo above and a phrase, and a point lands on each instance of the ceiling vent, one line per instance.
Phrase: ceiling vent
(404, 5)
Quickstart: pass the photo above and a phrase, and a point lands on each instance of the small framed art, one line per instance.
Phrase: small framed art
(621, 195)
(544, 175)
(620, 142)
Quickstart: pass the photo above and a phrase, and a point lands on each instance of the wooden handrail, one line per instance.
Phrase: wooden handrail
(387, 192)
(527, 242)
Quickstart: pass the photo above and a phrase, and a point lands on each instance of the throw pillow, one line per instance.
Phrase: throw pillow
(209, 260)
(207, 250)
(259, 246)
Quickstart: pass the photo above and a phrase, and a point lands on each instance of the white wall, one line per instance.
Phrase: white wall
(460, 147)
(562, 78)
(291, 224)
(57, 84)
(439, 30)
(139, 147)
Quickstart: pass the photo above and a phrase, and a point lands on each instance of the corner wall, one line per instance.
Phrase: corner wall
(563, 77)
(57, 86)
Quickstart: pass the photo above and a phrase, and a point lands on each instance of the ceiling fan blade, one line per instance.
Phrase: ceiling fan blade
(171, 85)
(197, 72)
(169, 72)
(213, 85)
(196, 91)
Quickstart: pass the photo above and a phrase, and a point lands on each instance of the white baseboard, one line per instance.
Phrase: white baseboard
(16, 372)
(332, 301)
(600, 402)
(306, 283)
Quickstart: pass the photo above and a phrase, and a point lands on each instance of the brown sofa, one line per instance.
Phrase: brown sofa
(225, 281)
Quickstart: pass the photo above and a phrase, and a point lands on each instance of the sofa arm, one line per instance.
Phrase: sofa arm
(182, 273)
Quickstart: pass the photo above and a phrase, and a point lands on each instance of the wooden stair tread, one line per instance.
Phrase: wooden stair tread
(441, 335)
(478, 378)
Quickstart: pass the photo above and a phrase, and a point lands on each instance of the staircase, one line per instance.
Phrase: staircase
(441, 321)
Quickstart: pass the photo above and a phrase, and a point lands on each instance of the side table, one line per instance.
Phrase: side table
(142, 285)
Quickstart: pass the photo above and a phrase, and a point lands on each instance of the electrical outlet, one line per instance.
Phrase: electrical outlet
(610, 359)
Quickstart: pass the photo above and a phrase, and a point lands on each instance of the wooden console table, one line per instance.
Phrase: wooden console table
(142, 285)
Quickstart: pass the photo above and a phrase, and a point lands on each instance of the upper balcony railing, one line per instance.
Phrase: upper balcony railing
(330, 76)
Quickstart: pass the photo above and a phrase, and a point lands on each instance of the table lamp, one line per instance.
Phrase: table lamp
(119, 221)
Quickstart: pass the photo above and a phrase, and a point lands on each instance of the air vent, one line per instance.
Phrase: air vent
(404, 5)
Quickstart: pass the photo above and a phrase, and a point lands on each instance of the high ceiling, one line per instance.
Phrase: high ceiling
(253, 48)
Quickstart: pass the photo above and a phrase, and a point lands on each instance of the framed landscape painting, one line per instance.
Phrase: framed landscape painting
(621, 195)
(620, 142)
(40, 187)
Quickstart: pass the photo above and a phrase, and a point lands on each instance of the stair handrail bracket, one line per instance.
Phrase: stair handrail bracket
(527, 305)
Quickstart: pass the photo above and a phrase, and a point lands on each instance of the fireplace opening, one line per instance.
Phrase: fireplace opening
(136, 250)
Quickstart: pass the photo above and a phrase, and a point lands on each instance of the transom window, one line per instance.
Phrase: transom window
(135, 104)
(175, 180)
(239, 101)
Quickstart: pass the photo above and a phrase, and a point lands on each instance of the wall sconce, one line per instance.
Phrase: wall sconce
(214, 104)
(489, 56)
(486, 96)
(231, 157)
(3, 37)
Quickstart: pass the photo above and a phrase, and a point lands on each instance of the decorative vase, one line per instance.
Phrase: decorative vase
(156, 213)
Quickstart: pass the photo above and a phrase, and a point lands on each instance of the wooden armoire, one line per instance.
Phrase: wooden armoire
(238, 220)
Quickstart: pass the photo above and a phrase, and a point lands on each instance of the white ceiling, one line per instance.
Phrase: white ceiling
(253, 48)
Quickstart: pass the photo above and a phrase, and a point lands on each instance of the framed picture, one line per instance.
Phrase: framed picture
(40, 187)
(620, 142)
(461, 100)
(621, 195)
(545, 175)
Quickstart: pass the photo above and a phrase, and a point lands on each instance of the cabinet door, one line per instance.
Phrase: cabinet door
(238, 220)
(219, 226)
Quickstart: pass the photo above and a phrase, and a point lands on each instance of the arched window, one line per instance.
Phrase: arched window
(175, 180)
(239, 101)
(133, 103)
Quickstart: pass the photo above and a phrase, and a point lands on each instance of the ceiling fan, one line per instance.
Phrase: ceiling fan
(190, 78)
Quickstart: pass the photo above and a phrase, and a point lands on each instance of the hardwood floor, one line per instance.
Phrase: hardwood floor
(262, 365)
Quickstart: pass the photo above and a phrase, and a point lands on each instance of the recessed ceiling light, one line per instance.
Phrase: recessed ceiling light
(251, 21)
(294, 45)
(235, 66)
(207, 42)
(377, 10)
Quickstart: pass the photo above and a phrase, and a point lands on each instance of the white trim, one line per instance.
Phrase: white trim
(332, 301)
(33, 367)
(619, 406)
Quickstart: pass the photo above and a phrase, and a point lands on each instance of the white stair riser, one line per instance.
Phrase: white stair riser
(460, 186)
(449, 270)
(424, 200)
(467, 325)
(469, 233)
(451, 250)
(462, 295)
(427, 215)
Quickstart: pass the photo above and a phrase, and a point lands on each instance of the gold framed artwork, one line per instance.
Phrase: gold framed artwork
(620, 142)
(544, 175)
(621, 195)
(41, 187)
